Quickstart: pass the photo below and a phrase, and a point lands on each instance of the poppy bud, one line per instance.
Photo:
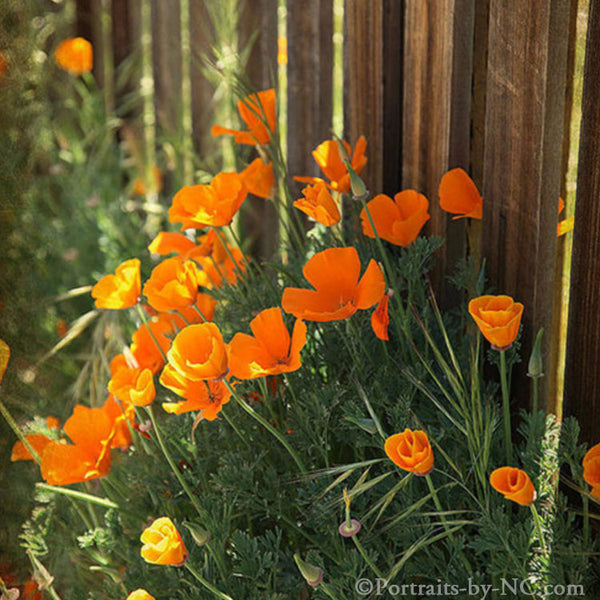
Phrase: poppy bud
(313, 575)
(535, 367)
(199, 535)
(359, 189)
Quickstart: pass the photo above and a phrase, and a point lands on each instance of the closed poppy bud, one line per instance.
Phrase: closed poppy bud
(411, 451)
(312, 575)
(163, 544)
(535, 368)
(74, 55)
(498, 318)
(120, 290)
(514, 485)
(199, 534)
(591, 469)
(140, 594)
(198, 352)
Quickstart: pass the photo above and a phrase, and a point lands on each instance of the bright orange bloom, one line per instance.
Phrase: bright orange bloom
(4, 357)
(140, 594)
(52, 423)
(166, 242)
(258, 178)
(212, 205)
(591, 469)
(380, 319)
(207, 397)
(163, 544)
(203, 310)
(498, 318)
(514, 485)
(142, 392)
(458, 194)
(327, 156)
(174, 284)
(338, 293)
(122, 417)
(567, 224)
(198, 353)
(37, 441)
(120, 290)
(258, 112)
(411, 451)
(74, 55)
(398, 221)
(144, 341)
(217, 263)
(62, 327)
(319, 204)
(271, 351)
(155, 185)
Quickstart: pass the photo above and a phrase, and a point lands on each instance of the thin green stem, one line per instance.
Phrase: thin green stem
(366, 558)
(586, 522)
(327, 590)
(90, 498)
(209, 586)
(538, 526)
(534, 412)
(505, 407)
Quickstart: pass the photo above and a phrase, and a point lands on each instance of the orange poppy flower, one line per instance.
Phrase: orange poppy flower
(4, 357)
(120, 290)
(37, 441)
(398, 221)
(122, 417)
(380, 319)
(514, 485)
(74, 55)
(166, 242)
(218, 266)
(163, 544)
(411, 451)
(207, 397)
(144, 341)
(212, 205)
(125, 373)
(498, 319)
(338, 293)
(258, 178)
(140, 594)
(198, 352)
(271, 351)
(567, 224)
(458, 194)
(52, 423)
(327, 156)
(141, 189)
(258, 113)
(319, 204)
(591, 469)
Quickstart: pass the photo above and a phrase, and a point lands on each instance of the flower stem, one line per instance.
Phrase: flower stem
(505, 407)
(361, 549)
(209, 586)
(79, 495)
(538, 525)
(267, 426)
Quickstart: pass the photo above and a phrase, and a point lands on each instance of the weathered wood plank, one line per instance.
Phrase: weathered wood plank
(582, 377)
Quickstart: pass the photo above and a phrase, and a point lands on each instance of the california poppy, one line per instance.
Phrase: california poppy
(380, 318)
(167, 242)
(270, 351)
(258, 178)
(411, 451)
(319, 204)
(258, 113)
(458, 194)
(38, 441)
(338, 293)
(149, 339)
(398, 221)
(120, 290)
(140, 594)
(498, 318)
(327, 156)
(211, 205)
(74, 55)
(163, 544)
(591, 469)
(514, 485)
(140, 186)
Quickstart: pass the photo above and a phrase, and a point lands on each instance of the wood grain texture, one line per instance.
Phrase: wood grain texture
(522, 162)
(582, 376)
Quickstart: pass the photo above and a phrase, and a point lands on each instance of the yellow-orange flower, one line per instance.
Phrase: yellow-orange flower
(398, 221)
(212, 205)
(514, 485)
(140, 594)
(459, 195)
(120, 290)
(338, 293)
(144, 348)
(163, 544)
(37, 441)
(198, 353)
(270, 351)
(591, 469)
(319, 204)
(498, 319)
(258, 178)
(567, 224)
(74, 55)
(380, 319)
(258, 113)
(166, 242)
(411, 451)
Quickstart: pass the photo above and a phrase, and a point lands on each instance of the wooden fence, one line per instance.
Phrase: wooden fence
(433, 84)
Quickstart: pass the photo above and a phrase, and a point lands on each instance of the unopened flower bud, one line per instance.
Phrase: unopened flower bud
(359, 189)
(199, 535)
(312, 575)
(535, 368)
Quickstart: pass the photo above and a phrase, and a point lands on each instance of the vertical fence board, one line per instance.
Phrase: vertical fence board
(522, 166)
(582, 377)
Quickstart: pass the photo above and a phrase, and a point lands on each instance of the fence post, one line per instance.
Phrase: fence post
(582, 375)
(523, 157)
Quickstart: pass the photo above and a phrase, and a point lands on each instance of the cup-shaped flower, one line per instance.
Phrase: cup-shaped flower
(258, 113)
(380, 318)
(270, 351)
(514, 484)
(140, 594)
(163, 544)
(459, 195)
(338, 294)
(120, 290)
(74, 55)
(210, 205)
(149, 339)
(498, 319)
(411, 451)
(398, 221)
(591, 469)
(198, 353)
(318, 204)
(258, 178)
